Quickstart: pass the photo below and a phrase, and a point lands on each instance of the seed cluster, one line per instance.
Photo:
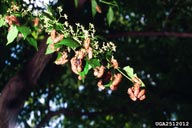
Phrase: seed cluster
(136, 92)
(12, 20)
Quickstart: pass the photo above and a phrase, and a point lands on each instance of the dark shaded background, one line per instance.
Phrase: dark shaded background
(163, 62)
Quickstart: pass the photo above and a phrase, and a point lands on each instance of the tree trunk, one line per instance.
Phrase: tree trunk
(18, 88)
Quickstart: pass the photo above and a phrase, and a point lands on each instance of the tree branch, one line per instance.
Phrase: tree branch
(37, 64)
(162, 34)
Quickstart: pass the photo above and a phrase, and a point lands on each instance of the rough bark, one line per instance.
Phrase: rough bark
(18, 88)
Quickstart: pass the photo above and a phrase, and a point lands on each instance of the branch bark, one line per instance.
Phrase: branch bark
(162, 34)
(18, 88)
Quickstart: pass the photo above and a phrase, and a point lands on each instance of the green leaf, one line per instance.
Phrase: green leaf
(71, 43)
(89, 64)
(94, 63)
(2, 22)
(59, 26)
(109, 84)
(49, 50)
(76, 3)
(32, 42)
(93, 7)
(142, 84)
(34, 34)
(49, 41)
(129, 71)
(85, 70)
(59, 55)
(24, 30)
(110, 15)
(12, 34)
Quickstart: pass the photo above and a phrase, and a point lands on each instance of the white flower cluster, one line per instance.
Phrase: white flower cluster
(106, 47)
(79, 33)
(109, 46)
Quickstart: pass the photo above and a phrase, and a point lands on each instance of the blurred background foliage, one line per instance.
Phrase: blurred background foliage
(163, 62)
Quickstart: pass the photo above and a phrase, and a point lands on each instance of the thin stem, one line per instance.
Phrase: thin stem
(124, 74)
(142, 84)
(109, 3)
